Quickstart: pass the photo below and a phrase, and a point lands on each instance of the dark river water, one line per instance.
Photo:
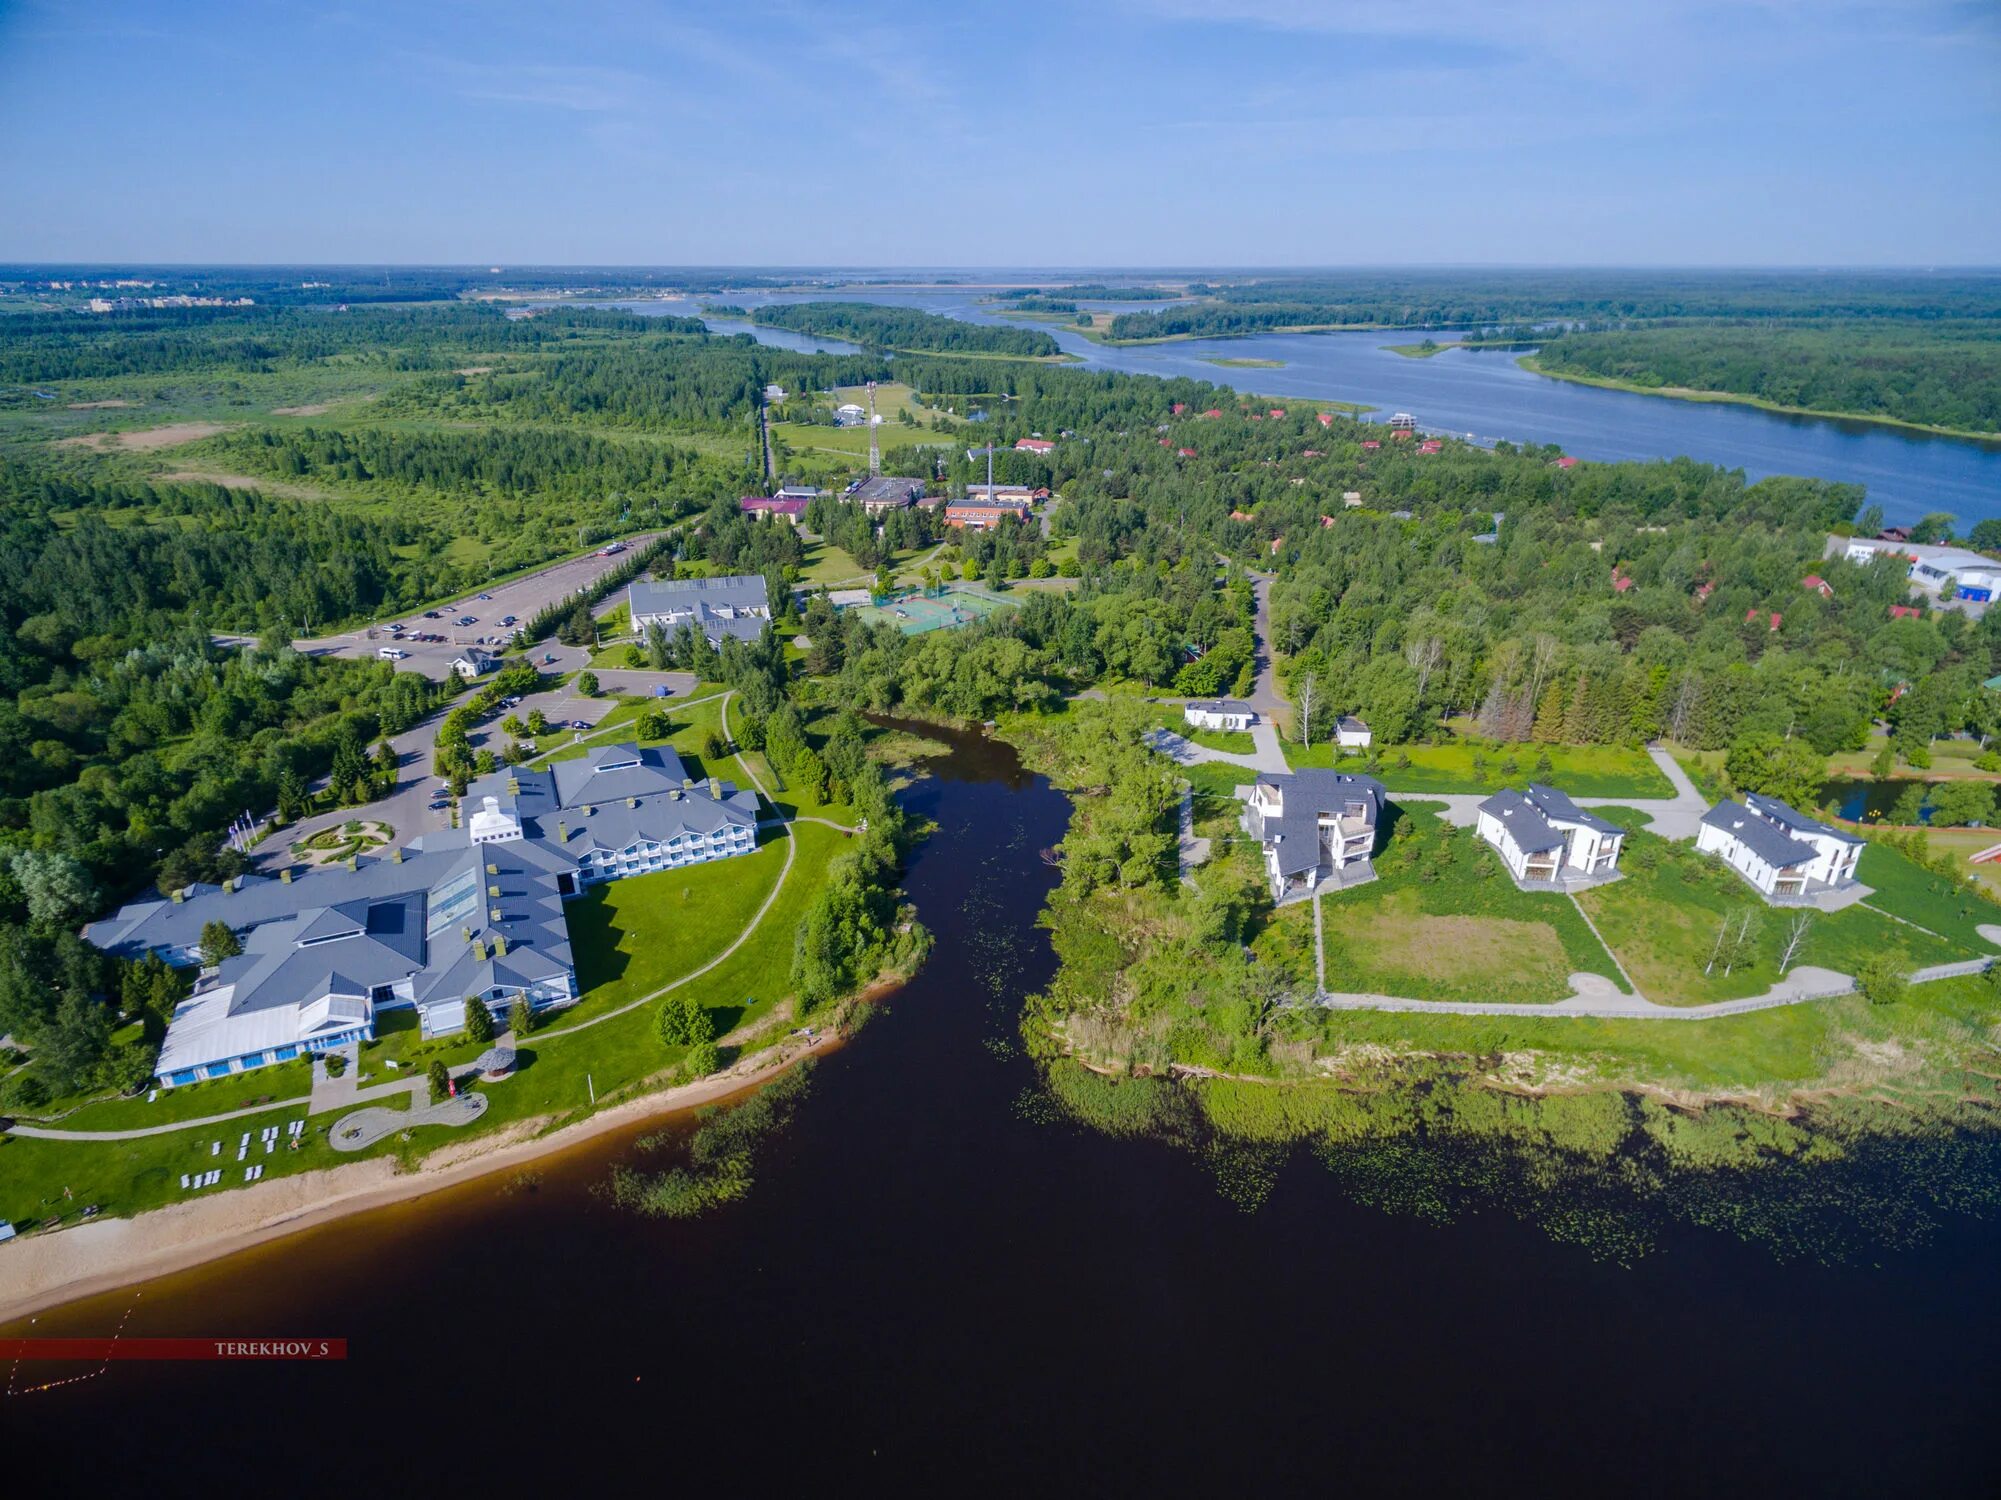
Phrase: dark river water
(931, 1284)
(1485, 394)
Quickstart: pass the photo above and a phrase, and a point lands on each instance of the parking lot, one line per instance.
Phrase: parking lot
(522, 599)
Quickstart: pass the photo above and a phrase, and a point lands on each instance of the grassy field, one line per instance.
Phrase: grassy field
(1663, 919)
(902, 425)
(210, 1096)
(1444, 922)
(632, 936)
(1580, 770)
(1952, 760)
(1906, 889)
(1244, 364)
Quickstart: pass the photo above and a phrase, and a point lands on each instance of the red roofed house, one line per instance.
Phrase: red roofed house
(1326, 520)
(1178, 408)
(1278, 411)
(1566, 462)
(1325, 418)
(1818, 584)
(1311, 453)
(1703, 591)
(1185, 452)
(1238, 515)
(1214, 411)
(1033, 445)
(766, 505)
(1430, 445)
(1620, 582)
(1751, 617)
(1369, 444)
(1905, 612)
(1165, 443)
(1276, 543)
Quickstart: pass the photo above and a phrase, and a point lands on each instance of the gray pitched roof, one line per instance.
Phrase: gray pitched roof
(1349, 724)
(1772, 844)
(1792, 819)
(1304, 796)
(734, 606)
(1523, 820)
(1555, 804)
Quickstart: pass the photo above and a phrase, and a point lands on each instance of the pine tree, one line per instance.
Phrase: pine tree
(1549, 715)
(440, 1079)
(479, 1020)
(520, 1017)
(1577, 711)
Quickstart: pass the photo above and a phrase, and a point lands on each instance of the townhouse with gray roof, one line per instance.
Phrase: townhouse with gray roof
(1782, 854)
(1548, 841)
(471, 914)
(721, 608)
(1314, 828)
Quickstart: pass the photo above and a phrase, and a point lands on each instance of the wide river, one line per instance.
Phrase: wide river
(935, 1283)
(1485, 394)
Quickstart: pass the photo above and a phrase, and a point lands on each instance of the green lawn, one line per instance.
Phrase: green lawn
(1580, 770)
(1662, 920)
(1906, 889)
(1444, 922)
(632, 936)
(211, 1096)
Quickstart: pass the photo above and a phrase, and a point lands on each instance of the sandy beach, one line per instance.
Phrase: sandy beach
(43, 1271)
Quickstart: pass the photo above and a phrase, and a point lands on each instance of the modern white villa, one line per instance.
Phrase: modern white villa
(1547, 840)
(1315, 828)
(1218, 713)
(718, 607)
(1350, 733)
(472, 914)
(1787, 857)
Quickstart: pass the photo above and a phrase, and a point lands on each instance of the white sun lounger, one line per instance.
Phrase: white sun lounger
(184, 1182)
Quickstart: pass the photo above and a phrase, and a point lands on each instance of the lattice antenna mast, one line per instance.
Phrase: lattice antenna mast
(874, 443)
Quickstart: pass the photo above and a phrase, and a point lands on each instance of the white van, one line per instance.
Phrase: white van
(391, 653)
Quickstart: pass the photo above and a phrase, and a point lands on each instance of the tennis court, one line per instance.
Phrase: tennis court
(917, 613)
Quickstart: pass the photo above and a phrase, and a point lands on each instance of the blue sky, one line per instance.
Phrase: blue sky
(1036, 132)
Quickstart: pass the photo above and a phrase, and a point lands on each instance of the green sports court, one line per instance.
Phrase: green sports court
(916, 612)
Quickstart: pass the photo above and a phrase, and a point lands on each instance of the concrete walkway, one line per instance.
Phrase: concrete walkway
(1194, 852)
(365, 1127)
(1673, 817)
(1593, 995)
(1268, 757)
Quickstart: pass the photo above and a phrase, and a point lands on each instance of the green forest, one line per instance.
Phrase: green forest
(878, 327)
(1934, 374)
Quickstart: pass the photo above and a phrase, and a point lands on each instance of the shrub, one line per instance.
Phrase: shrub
(521, 1017)
(440, 1079)
(336, 1063)
(684, 1021)
(1880, 980)
(702, 1059)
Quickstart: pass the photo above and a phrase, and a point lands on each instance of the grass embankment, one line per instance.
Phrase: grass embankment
(1580, 770)
(1688, 393)
(1243, 364)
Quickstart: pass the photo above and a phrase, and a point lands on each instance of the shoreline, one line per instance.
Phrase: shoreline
(1737, 398)
(44, 1272)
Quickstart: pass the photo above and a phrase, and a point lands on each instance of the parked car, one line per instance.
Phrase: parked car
(432, 614)
(391, 653)
(486, 596)
(507, 619)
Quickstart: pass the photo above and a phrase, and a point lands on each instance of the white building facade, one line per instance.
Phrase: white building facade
(1781, 853)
